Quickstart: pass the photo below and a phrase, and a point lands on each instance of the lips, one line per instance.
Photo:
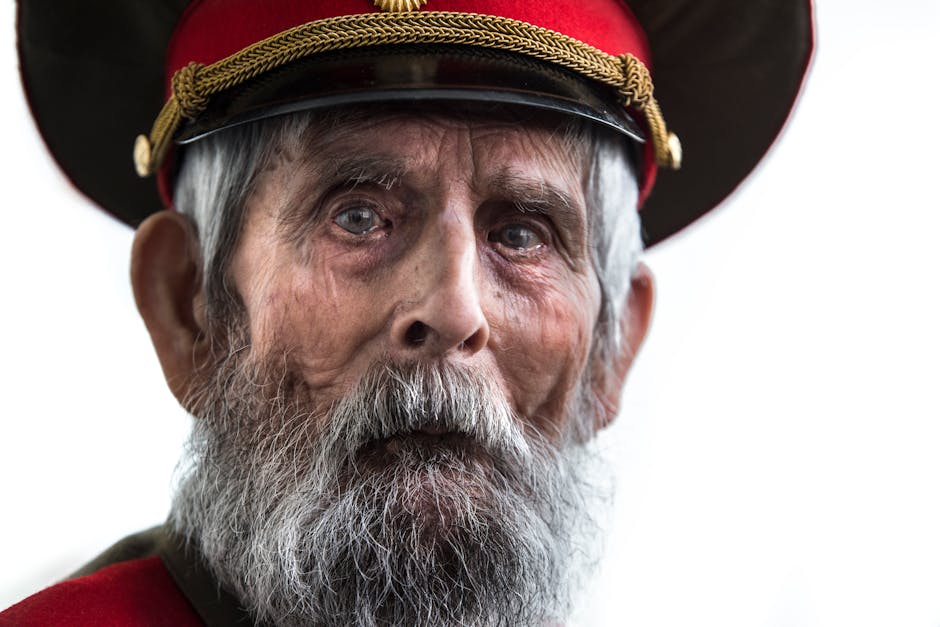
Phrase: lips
(430, 437)
(426, 445)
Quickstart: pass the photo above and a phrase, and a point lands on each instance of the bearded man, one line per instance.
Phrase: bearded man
(396, 282)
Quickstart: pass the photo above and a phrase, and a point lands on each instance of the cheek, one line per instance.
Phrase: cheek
(319, 320)
(544, 345)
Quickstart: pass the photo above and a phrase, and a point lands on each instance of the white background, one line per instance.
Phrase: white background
(778, 449)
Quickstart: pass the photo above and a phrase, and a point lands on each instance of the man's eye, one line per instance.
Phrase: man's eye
(517, 236)
(358, 220)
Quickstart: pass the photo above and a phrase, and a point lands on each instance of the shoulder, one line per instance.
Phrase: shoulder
(134, 592)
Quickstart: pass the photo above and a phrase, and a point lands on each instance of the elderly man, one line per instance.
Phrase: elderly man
(397, 282)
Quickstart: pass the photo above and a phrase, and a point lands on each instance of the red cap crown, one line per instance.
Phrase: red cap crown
(211, 30)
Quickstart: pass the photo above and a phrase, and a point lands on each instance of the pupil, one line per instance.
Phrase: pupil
(516, 237)
(357, 220)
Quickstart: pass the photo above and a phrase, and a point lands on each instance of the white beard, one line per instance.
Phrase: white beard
(355, 514)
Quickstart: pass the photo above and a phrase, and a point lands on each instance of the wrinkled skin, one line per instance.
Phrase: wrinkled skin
(447, 244)
(424, 239)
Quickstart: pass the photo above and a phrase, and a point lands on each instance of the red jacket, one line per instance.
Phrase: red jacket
(150, 579)
(136, 592)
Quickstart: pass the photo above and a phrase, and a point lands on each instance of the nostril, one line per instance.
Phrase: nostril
(475, 342)
(416, 334)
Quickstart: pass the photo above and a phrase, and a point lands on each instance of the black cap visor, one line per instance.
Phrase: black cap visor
(407, 74)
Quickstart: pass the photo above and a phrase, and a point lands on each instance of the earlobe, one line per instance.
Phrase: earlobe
(166, 278)
(608, 378)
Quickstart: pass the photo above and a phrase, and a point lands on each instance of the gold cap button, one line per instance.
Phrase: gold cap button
(675, 151)
(142, 156)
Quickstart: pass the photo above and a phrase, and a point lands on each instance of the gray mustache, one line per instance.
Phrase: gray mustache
(394, 399)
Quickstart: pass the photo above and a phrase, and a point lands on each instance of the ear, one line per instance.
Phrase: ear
(166, 277)
(610, 374)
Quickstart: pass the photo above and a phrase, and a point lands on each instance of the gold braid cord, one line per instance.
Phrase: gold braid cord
(195, 84)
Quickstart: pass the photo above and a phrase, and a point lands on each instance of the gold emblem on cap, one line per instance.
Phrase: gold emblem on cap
(400, 6)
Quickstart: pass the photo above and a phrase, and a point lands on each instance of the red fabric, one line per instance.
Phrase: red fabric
(212, 29)
(133, 593)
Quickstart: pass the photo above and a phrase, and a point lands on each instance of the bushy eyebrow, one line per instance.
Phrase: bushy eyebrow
(531, 195)
(383, 171)
(329, 171)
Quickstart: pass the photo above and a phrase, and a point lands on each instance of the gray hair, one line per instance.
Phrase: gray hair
(218, 174)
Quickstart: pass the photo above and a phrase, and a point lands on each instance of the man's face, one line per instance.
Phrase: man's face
(390, 424)
(425, 239)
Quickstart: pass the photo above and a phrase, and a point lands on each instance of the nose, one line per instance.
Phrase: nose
(442, 312)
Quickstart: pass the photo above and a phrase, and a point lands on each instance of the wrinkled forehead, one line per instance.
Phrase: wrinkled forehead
(476, 145)
(471, 153)
(401, 126)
